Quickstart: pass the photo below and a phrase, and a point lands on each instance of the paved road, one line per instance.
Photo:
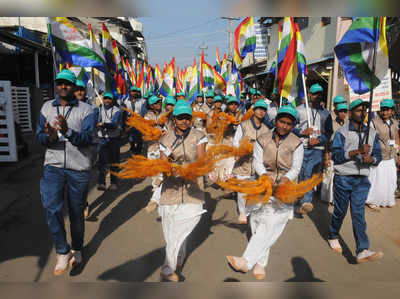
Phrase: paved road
(123, 243)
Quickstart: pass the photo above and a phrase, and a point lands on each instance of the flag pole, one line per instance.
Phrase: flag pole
(255, 70)
(306, 98)
(371, 93)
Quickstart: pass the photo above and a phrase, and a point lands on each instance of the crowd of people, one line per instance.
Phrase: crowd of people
(357, 158)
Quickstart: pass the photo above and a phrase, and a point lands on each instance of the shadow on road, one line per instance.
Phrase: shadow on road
(321, 218)
(302, 271)
(121, 213)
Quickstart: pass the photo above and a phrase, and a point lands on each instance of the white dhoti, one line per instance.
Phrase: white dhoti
(155, 181)
(383, 179)
(327, 184)
(267, 224)
(178, 221)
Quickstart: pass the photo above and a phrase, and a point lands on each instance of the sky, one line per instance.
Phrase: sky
(181, 37)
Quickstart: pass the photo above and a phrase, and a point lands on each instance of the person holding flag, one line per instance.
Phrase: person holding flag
(355, 148)
(315, 135)
(109, 121)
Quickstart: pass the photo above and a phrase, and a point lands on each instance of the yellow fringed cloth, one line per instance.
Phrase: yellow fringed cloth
(141, 167)
(199, 114)
(220, 122)
(260, 191)
(145, 126)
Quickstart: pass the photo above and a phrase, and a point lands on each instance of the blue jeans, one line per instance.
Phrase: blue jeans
(312, 164)
(52, 185)
(109, 153)
(351, 190)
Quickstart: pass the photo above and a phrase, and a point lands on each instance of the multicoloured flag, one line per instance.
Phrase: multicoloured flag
(193, 84)
(218, 62)
(158, 77)
(107, 42)
(355, 52)
(245, 40)
(167, 87)
(224, 69)
(71, 45)
(207, 74)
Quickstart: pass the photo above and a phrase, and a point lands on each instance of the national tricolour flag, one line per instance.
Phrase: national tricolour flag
(355, 52)
(71, 45)
(245, 40)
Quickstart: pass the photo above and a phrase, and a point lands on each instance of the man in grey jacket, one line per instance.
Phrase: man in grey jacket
(66, 129)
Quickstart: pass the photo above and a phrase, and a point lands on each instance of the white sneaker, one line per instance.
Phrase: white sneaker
(76, 258)
(335, 245)
(368, 256)
(62, 263)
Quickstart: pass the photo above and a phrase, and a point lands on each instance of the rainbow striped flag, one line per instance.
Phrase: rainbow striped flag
(158, 77)
(355, 52)
(71, 45)
(224, 69)
(245, 40)
(108, 51)
(167, 86)
(218, 61)
(193, 84)
(219, 82)
(207, 74)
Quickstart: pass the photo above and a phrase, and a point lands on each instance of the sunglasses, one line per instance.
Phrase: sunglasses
(184, 117)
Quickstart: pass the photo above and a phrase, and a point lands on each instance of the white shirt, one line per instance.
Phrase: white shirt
(258, 161)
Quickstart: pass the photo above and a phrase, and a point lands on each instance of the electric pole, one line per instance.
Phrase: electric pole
(202, 47)
(230, 43)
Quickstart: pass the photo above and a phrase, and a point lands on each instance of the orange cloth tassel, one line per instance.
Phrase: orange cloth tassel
(164, 118)
(248, 115)
(145, 126)
(290, 192)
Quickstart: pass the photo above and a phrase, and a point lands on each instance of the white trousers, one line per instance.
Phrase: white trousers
(178, 221)
(267, 224)
(383, 179)
(155, 181)
(241, 202)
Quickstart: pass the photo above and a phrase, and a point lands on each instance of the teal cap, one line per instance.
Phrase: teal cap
(341, 107)
(217, 98)
(260, 104)
(252, 91)
(285, 102)
(170, 100)
(357, 103)
(80, 83)
(182, 108)
(288, 110)
(242, 96)
(108, 95)
(338, 100)
(388, 103)
(232, 99)
(209, 94)
(134, 88)
(66, 75)
(153, 99)
(276, 91)
(258, 93)
(316, 88)
(180, 94)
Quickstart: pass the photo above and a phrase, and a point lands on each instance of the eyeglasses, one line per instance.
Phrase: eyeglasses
(184, 117)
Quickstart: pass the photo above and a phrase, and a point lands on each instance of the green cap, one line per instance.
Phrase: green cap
(338, 100)
(258, 93)
(66, 75)
(180, 94)
(134, 88)
(316, 88)
(232, 99)
(209, 94)
(80, 83)
(276, 91)
(288, 110)
(357, 103)
(182, 108)
(388, 103)
(108, 95)
(217, 98)
(170, 100)
(341, 107)
(260, 104)
(252, 91)
(153, 99)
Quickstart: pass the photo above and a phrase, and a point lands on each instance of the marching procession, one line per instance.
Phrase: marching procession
(275, 151)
